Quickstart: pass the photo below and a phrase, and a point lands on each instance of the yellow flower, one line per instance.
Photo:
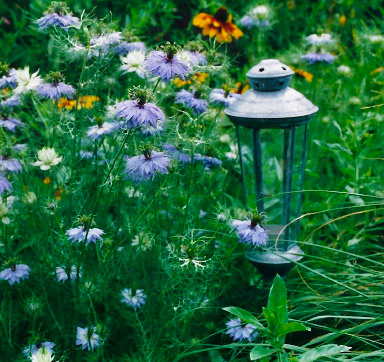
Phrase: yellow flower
(47, 180)
(84, 102)
(197, 78)
(58, 193)
(219, 25)
(240, 88)
(342, 20)
(304, 74)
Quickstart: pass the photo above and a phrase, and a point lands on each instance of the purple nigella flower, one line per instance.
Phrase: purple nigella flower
(165, 66)
(134, 301)
(238, 331)
(176, 154)
(196, 58)
(208, 161)
(87, 339)
(247, 21)
(98, 131)
(62, 275)
(136, 114)
(78, 234)
(313, 58)
(250, 232)
(148, 130)
(192, 100)
(60, 20)
(15, 273)
(12, 101)
(219, 96)
(8, 80)
(125, 47)
(145, 166)
(34, 348)
(55, 91)
(10, 123)
(5, 185)
(10, 165)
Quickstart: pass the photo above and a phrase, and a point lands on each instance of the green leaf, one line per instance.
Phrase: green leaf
(291, 327)
(259, 352)
(270, 318)
(323, 351)
(277, 301)
(244, 316)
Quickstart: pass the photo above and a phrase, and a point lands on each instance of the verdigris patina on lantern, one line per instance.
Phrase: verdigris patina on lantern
(271, 104)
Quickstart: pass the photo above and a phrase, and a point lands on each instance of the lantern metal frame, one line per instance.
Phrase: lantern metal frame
(272, 104)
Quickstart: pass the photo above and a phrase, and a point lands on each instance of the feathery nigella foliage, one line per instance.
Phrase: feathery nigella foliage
(124, 228)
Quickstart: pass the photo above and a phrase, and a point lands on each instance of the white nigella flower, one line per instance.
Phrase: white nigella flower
(4, 214)
(47, 158)
(25, 81)
(376, 39)
(42, 355)
(134, 62)
(261, 12)
(344, 69)
(322, 39)
(87, 338)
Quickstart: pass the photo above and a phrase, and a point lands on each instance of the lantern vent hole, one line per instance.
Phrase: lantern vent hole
(284, 68)
(281, 82)
(261, 70)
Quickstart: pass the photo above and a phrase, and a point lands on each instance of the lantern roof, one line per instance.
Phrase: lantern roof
(271, 103)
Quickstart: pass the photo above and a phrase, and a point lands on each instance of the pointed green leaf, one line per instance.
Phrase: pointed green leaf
(277, 301)
(291, 327)
(270, 318)
(244, 316)
(259, 352)
(323, 351)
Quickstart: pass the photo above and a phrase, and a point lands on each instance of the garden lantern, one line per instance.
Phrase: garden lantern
(272, 105)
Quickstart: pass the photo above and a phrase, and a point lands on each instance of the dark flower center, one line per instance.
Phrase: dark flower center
(13, 268)
(221, 14)
(147, 153)
(197, 94)
(256, 220)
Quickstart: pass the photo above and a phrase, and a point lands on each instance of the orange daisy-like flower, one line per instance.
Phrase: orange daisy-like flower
(240, 88)
(197, 77)
(84, 102)
(304, 74)
(219, 25)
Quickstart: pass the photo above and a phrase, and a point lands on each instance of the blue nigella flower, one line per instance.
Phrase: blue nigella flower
(10, 123)
(5, 185)
(239, 331)
(10, 164)
(98, 131)
(125, 47)
(15, 273)
(219, 96)
(314, 58)
(9, 80)
(12, 101)
(78, 234)
(62, 274)
(166, 65)
(192, 101)
(176, 153)
(145, 166)
(55, 91)
(208, 161)
(133, 300)
(34, 348)
(250, 232)
(87, 338)
(63, 21)
(136, 113)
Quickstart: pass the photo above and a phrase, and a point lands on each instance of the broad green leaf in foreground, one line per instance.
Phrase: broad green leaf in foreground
(323, 351)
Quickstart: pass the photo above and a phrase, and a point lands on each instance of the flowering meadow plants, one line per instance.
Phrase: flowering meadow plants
(123, 231)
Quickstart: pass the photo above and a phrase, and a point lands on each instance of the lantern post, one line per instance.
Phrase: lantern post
(271, 104)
